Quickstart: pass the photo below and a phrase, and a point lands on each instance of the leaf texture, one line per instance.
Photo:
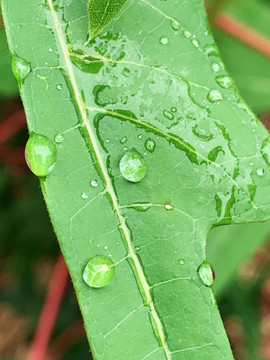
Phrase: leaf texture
(148, 77)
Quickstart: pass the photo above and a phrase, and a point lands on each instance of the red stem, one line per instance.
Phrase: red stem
(48, 315)
(12, 125)
(244, 33)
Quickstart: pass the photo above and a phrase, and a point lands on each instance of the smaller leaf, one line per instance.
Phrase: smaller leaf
(101, 12)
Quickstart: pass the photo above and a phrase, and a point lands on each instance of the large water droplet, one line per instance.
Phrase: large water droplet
(40, 154)
(133, 166)
(150, 145)
(206, 273)
(99, 271)
(20, 67)
(164, 40)
(224, 81)
(214, 95)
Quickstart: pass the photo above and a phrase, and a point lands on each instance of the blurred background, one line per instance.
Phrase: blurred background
(30, 263)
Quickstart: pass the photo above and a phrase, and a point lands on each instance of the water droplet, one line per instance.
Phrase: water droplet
(187, 34)
(211, 50)
(133, 166)
(84, 195)
(176, 25)
(173, 109)
(59, 138)
(98, 272)
(50, 50)
(164, 40)
(260, 172)
(106, 247)
(168, 206)
(94, 183)
(181, 261)
(20, 67)
(168, 115)
(123, 140)
(215, 67)
(40, 154)
(59, 87)
(214, 95)
(140, 136)
(224, 81)
(150, 145)
(206, 273)
(195, 43)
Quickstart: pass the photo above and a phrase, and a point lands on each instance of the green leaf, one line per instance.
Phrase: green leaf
(8, 86)
(149, 81)
(249, 68)
(101, 12)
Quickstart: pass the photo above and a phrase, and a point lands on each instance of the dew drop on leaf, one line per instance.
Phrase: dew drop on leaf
(133, 166)
(164, 40)
(98, 272)
(20, 67)
(123, 140)
(150, 145)
(176, 25)
(59, 87)
(126, 72)
(214, 95)
(181, 261)
(260, 172)
(59, 138)
(187, 34)
(94, 183)
(168, 206)
(224, 81)
(206, 273)
(84, 195)
(215, 67)
(168, 115)
(195, 43)
(40, 154)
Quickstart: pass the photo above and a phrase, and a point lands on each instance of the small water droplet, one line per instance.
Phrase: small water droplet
(224, 81)
(123, 140)
(133, 166)
(98, 272)
(181, 261)
(211, 50)
(214, 95)
(50, 50)
(150, 145)
(168, 206)
(40, 154)
(173, 109)
(215, 67)
(175, 25)
(20, 67)
(106, 247)
(195, 43)
(59, 87)
(251, 163)
(140, 136)
(260, 172)
(84, 195)
(187, 34)
(164, 40)
(206, 273)
(94, 183)
(168, 115)
(59, 138)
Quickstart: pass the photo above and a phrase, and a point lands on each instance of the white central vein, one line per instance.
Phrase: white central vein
(140, 276)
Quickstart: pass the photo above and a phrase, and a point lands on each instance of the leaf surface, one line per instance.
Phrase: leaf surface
(8, 86)
(101, 12)
(149, 77)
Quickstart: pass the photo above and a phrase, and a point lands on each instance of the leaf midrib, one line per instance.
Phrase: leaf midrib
(138, 271)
